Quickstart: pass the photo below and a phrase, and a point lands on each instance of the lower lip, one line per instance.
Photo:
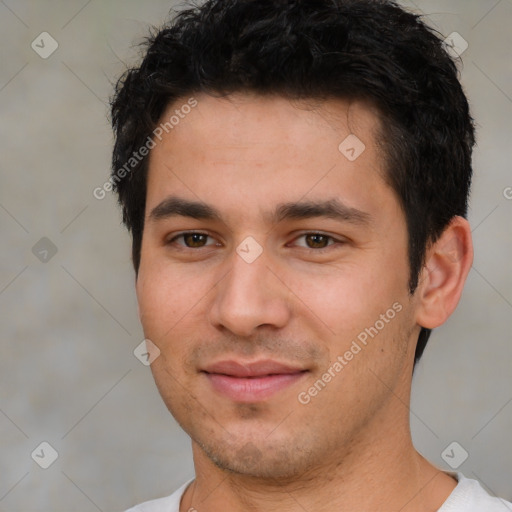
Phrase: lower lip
(253, 389)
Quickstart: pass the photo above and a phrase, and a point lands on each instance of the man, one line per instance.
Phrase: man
(295, 178)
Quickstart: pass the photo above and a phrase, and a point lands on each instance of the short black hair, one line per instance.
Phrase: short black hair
(372, 50)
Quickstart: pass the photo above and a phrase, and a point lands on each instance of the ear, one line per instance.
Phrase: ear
(447, 264)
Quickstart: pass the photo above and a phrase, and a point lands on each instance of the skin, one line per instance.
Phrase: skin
(350, 447)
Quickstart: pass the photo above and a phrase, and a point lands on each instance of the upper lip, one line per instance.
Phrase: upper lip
(251, 369)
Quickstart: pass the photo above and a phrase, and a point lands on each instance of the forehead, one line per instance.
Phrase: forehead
(250, 150)
(240, 117)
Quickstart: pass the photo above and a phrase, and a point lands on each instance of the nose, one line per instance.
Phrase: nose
(250, 295)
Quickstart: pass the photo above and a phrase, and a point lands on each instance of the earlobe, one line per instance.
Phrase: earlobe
(447, 265)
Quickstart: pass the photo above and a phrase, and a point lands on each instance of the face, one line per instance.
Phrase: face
(279, 303)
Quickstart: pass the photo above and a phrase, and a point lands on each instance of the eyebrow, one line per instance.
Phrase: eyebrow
(174, 206)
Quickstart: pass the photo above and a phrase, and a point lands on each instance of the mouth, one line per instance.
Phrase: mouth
(251, 381)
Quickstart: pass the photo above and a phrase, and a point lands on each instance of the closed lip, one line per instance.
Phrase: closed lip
(248, 369)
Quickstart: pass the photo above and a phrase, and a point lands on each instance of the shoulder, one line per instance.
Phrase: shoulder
(168, 504)
(470, 496)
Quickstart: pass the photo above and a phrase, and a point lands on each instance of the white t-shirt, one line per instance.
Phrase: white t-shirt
(468, 496)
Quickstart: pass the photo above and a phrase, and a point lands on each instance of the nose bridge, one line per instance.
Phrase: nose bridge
(250, 294)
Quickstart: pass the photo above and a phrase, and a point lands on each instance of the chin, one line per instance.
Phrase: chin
(258, 461)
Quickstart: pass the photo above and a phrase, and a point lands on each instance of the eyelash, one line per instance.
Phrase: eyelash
(329, 238)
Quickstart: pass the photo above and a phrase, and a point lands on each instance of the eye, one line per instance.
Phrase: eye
(191, 239)
(318, 241)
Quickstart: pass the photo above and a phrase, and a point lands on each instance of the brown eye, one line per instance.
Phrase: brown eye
(317, 241)
(194, 239)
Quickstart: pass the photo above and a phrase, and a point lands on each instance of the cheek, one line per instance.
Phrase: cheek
(161, 299)
(170, 298)
(345, 300)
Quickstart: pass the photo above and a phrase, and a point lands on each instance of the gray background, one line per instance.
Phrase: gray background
(70, 325)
